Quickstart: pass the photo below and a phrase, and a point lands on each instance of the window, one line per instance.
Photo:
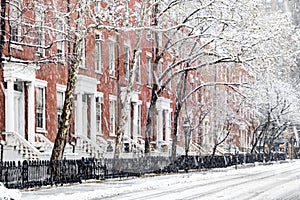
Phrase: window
(280, 5)
(126, 12)
(40, 39)
(139, 120)
(159, 70)
(138, 69)
(111, 10)
(138, 12)
(164, 123)
(40, 105)
(82, 54)
(111, 58)
(60, 39)
(112, 115)
(97, 7)
(40, 108)
(98, 53)
(206, 136)
(99, 101)
(149, 70)
(159, 39)
(169, 86)
(268, 5)
(60, 106)
(60, 98)
(15, 20)
(126, 61)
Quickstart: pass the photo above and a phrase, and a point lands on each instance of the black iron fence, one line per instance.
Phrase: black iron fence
(30, 174)
(207, 162)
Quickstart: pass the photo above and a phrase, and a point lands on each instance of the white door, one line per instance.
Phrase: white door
(19, 113)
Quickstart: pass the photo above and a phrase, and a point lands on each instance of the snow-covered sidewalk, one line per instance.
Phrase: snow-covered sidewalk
(7, 194)
(134, 186)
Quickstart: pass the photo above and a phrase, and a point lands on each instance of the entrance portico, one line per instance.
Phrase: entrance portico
(85, 106)
(164, 111)
(18, 77)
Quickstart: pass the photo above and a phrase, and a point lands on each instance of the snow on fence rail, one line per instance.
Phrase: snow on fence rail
(31, 174)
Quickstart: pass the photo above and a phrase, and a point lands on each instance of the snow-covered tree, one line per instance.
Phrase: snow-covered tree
(201, 39)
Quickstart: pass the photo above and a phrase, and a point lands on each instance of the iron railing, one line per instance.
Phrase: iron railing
(31, 174)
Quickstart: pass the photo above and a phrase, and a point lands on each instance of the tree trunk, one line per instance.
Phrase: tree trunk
(150, 116)
(73, 61)
(174, 141)
(126, 104)
(63, 132)
(181, 94)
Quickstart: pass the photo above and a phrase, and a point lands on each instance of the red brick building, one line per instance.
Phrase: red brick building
(37, 48)
(34, 78)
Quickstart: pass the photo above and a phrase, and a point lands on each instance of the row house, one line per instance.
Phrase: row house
(36, 52)
(221, 110)
(34, 79)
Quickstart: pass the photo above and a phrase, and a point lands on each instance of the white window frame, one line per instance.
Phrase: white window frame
(149, 69)
(139, 119)
(138, 68)
(169, 86)
(112, 115)
(160, 66)
(98, 112)
(138, 11)
(40, 23)
(126, 60)
(60, 45)
(15, 20)
(60, 89)
(82, 54)
(160, 39)
(41, 85)
(98, 52)
(97, 7)
(111, 58)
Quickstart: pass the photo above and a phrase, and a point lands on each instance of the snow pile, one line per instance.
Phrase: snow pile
(8, 194)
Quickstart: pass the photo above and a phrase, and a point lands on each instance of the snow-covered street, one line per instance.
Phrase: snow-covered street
(277, 181)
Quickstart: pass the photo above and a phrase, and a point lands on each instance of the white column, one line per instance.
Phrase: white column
(9, 111)
(84, 116)
(79, 114)
(127, 125)
(135, 121)
(31, 113)
(93, 117)
(168, 127)
(160, 126)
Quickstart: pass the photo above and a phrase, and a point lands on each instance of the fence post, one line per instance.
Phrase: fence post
(25, 174)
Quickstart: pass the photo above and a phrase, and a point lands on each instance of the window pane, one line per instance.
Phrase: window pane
(40, 107)
(15, 18)
(138, 69)
(98, 54)
(111, 58)
(60, 105)
(126, 61)
(112, 116)
(98, 116)
(149, 72)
